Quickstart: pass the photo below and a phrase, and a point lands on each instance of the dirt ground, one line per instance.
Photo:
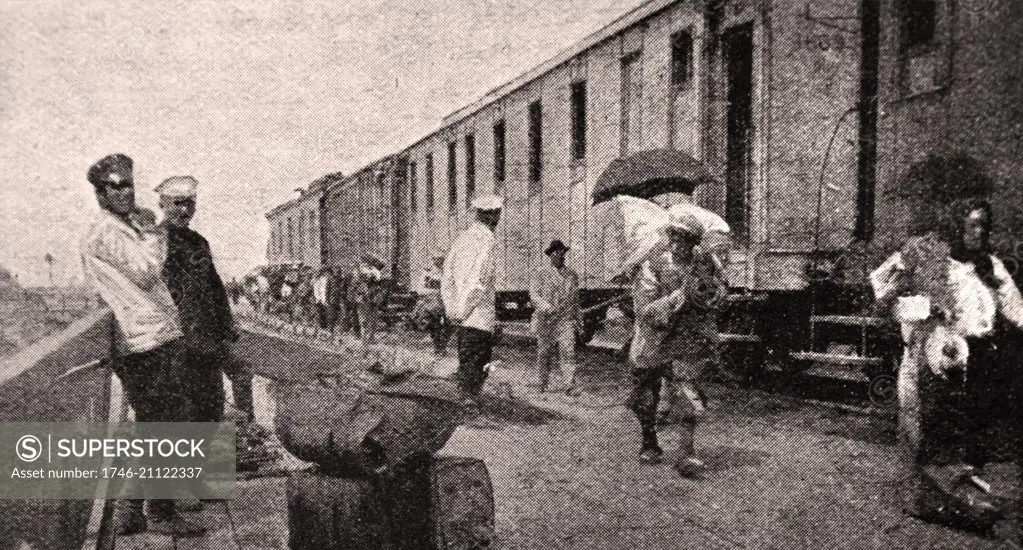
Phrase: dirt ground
(782, 473)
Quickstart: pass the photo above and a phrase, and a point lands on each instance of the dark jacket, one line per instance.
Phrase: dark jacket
(196, 287)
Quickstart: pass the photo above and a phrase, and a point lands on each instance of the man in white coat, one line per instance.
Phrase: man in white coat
(469, 295)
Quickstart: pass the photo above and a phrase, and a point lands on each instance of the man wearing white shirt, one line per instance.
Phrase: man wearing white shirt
(123, 257)
(320, 297)
(468, 292)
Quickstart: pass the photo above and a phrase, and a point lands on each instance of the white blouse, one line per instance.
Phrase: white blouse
(975, 304)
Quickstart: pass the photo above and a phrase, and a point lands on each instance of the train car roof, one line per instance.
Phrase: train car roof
(612, 29)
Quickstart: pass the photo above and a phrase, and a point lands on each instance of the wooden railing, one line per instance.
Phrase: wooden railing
(61, 378)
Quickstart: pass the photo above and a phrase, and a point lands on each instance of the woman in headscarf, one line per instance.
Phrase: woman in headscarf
(947, 290)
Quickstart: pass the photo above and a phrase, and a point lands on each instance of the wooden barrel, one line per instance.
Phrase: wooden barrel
(461, 504)
(352, 432)
(426, 503)
(333, 513)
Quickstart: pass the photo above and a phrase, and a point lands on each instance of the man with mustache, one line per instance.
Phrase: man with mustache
(122, 256)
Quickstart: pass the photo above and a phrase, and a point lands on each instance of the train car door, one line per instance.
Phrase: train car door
(737, 44)
(401, 213)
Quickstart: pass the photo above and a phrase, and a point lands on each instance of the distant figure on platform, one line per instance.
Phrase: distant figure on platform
(469, 294)
(349, 287)
(669, 339)
(554, 291)
(335, 299)
(287, 297)
(123, 256)
(368, 289)
(263, 294)
(302, 296)
(432, 307)
(320, 288)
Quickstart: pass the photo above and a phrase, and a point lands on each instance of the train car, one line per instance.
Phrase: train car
(808, 114)
(670, 74)
(364, 213)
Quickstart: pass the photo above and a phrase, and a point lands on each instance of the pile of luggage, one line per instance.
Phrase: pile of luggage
(372, 431)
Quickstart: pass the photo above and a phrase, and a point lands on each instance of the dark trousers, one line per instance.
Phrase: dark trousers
(240, 375)
(350, 319)
(957, 414)
(323, 315)
(644, 398)
(440, 331)
(205, 385)
(475, 347)
(153, 386)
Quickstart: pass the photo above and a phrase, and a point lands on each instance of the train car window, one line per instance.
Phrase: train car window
(429, 184)
(919, 24)
(414, 188)
(578, 101)
(535, 146)
(291, 237)
(499, 156)
(470, 168)
(452, 178)
(682, 58)
(632, 102)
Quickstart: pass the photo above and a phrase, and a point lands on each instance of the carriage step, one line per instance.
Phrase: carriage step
(741, 298)
(837, 359)
(728, 338)
(850, 320)
(516, 329)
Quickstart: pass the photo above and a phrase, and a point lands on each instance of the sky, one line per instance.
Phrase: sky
(253, 98)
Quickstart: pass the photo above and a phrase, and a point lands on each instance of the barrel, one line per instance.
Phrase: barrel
(334, 513)
(426, 503)
(461, 504)
(354, 432)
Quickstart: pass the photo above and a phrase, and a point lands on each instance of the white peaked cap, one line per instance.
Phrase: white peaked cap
(488, 202)
(177, 186)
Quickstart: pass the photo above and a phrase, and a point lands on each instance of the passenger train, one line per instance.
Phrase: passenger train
(808, 114)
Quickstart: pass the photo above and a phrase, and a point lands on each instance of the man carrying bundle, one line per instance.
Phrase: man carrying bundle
(671, 336)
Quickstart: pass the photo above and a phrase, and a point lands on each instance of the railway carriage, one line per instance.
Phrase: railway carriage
(808, 114)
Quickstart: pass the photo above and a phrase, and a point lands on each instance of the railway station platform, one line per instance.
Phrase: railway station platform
(783, 473)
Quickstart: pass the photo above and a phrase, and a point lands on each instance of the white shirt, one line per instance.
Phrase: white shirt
(555, 291)
(320, 289)
(467, 286)
(125, 266)
(975, 304)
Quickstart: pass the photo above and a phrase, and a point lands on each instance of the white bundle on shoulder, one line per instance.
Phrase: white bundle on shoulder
(644, 231)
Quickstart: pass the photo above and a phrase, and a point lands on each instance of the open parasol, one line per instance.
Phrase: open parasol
(650, 173)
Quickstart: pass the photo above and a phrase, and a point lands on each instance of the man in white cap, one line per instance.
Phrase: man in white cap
(669, 292)
(122, 256)
(205, 310)
(469, 295)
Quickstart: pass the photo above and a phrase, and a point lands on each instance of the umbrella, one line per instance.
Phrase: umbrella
(650, 173)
